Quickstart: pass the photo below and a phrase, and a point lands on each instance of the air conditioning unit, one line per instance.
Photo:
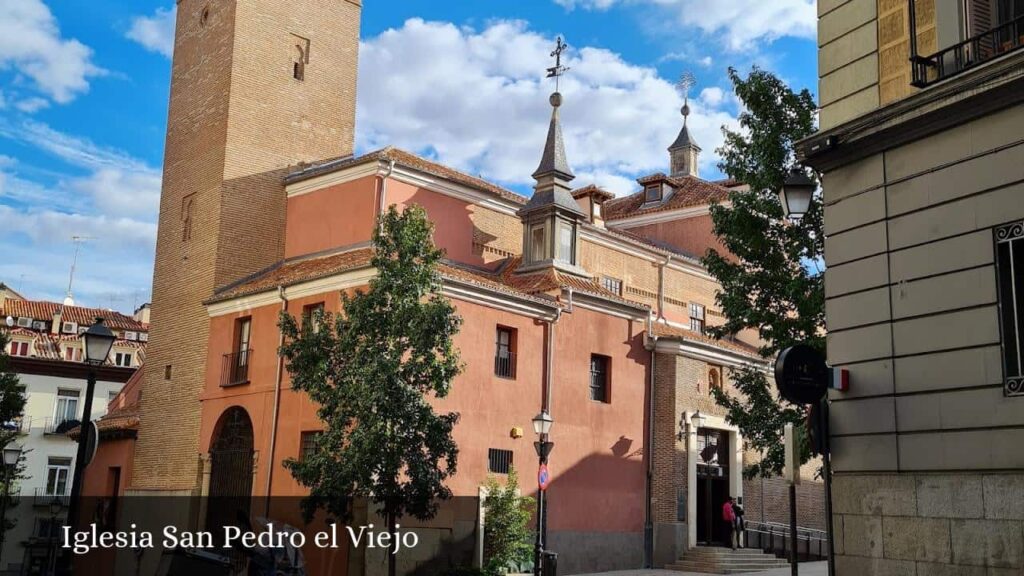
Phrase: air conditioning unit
(131, 335)
(82, 330)
(38, 325)
(143, 336)
(69, 328)
(24, 322)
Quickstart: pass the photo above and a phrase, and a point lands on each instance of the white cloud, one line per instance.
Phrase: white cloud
(31, 43)
(740, 23)
(123, 192)
(477, 100)
(32, 105)
(713, 96)
(48, 227)
(156, 32)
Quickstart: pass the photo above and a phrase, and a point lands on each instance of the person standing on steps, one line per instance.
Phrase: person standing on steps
(740, 524)
(729, 516)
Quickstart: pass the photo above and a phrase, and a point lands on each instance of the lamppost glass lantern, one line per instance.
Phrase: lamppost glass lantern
(698, 419)
(542, 423)
(11, 455)
(98, 342)
(796, 193)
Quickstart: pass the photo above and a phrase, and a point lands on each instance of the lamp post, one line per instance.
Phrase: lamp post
(51, 535)
(98, 342)
(698, 420)
(796, 193)
(11, 456)
(542, 426)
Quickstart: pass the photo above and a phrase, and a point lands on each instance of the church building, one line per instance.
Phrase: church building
(591, 307)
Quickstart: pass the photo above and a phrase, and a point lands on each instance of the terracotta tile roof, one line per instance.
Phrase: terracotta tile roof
(44, 311)
(287, 273)
(549, 279)
(689, 191)
(410, 160)
(125, 416)
(594, 190)
(673, 332)
(652, 243)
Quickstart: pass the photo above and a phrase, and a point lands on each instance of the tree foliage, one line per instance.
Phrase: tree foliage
(774, 283)
(507, 544)
(372, 369)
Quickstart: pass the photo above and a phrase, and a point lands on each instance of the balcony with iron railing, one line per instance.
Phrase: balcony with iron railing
(41, 497)
(235, 369)
(505, 365)
(987, 45)
(57, 426)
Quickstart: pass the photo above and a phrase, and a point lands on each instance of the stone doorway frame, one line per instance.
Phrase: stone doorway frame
(735, 467)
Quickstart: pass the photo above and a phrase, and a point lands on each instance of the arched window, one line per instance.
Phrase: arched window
(299, 65)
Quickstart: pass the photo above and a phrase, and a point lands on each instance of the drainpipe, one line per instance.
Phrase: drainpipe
(277, 401)
(384, 188)
(661, 287)
(652, 342)
(550, 359)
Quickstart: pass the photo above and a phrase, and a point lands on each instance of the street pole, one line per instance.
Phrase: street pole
(826, 459)
(74, 506)
(538, 549)
(3, 508)
(792, 530)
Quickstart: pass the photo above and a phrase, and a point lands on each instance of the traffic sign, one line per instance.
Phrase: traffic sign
(543, 477)
(801, 374)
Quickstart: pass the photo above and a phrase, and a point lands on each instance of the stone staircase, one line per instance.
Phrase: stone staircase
(715, 560)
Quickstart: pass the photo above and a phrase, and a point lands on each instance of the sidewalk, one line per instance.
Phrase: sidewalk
(806, 569)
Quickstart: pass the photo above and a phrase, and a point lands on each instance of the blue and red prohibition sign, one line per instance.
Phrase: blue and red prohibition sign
(543, 477)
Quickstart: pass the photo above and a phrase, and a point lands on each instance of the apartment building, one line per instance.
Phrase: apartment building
(46, 352)
(921, 154)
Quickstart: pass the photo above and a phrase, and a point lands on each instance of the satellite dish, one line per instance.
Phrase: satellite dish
(10, 321)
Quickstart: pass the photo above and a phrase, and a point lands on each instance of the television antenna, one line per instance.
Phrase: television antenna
(69, 299)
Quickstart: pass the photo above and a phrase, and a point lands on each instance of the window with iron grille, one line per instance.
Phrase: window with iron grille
(313, 313)
(307, 444)
(599, 377)
(613, 285)
(505, 352)
(499, 461)
(1010, 273)
(697, 317)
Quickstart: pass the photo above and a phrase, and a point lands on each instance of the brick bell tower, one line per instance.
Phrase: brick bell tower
(256, 86)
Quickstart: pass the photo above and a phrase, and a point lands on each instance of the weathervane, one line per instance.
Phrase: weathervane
(686, 81)
(557, 71)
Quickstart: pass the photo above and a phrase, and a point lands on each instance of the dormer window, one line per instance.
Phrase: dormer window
(652, 193)
(539, 243)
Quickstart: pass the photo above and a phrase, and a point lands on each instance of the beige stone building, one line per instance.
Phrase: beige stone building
(921, 149)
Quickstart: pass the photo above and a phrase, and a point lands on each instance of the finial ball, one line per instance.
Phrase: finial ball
(556, 99)
(685, 110)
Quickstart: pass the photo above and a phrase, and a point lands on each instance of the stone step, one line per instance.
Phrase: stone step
(725, 551)
(711, 568)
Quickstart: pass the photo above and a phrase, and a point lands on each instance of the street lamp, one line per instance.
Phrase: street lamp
(698, 420)
(796, 193)
(542, 426)
(51, 535)
(11, 456)
(98, 342)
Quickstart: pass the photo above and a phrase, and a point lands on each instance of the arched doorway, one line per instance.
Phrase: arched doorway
(231, 469)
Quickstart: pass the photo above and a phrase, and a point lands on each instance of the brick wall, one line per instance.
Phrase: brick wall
(496, 235)
(236, 120)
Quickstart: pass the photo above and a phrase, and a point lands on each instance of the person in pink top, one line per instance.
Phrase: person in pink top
(729, 516)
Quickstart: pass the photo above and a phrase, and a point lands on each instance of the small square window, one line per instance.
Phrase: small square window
(499, 461)
(613, 285)
(652, 193)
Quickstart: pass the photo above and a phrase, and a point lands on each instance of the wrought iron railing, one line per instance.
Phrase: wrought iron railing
(505, 365)
(59, 425)
(41, 497)
(235, 371)
(949, 62)
(774, 538)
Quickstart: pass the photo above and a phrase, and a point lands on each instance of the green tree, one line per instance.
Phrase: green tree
(371, 370)
(12, 404)
(507, 544)
(774, 285)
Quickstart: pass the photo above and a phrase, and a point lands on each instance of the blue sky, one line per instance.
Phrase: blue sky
(84, 86)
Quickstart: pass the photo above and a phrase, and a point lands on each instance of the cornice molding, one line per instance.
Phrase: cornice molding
(659, 217)
(406, 175)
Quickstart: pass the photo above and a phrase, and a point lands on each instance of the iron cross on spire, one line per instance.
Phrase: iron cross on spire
(686, 81)
(557, 71)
